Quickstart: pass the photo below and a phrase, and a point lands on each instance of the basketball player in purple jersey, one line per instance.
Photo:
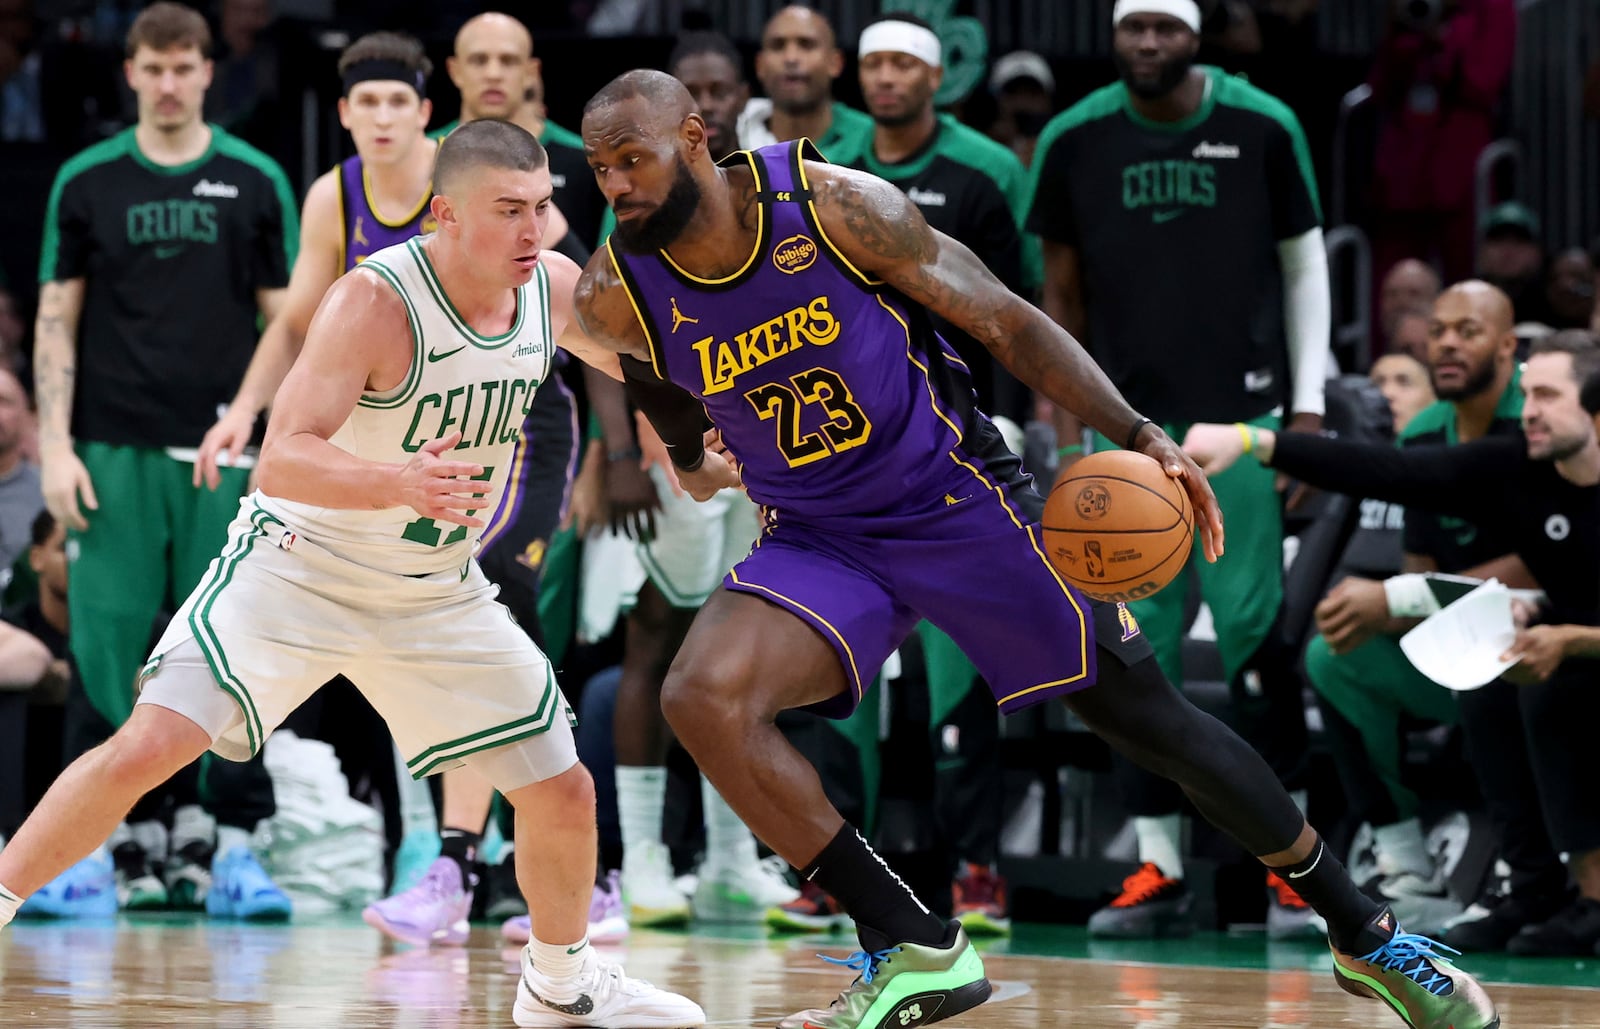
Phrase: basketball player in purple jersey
(370, 201)
(790, 301)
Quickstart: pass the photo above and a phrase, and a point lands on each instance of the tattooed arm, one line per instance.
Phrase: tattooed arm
(55, 358)
(881, 232)
(605, 313)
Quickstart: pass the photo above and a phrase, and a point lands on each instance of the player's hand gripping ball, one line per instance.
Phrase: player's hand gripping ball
(1118, 527)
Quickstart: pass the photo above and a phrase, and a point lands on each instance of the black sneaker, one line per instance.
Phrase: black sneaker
(1491, 922)
(1150, 907)
(504, 895)
(138, 887)
(1571, 932)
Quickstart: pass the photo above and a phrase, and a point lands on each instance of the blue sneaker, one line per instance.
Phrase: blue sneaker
(86, 890)
(1411, 974)
(240, 888)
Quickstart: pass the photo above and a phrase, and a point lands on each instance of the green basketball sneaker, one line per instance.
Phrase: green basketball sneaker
(1409, 974)
(903, 986)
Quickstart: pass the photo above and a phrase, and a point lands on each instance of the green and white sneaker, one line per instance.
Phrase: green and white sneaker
(1409, 974)
(903, 986)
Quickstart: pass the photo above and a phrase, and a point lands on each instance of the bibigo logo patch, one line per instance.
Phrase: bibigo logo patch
(795, 254)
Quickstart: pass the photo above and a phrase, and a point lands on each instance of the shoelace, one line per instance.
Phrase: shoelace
(864, 963)
(1408, 947)
(1141, 885)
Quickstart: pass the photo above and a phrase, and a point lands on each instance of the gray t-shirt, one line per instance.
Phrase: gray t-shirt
(21, 500)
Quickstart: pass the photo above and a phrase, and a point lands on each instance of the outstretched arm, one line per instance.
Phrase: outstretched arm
(880, 231)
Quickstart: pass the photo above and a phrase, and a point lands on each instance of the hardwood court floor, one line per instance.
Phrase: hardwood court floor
(173, 973)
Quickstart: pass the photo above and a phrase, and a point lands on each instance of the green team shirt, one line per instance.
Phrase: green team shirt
(1455, 543)
(1176, 227)
(172, 258)
(576, 193)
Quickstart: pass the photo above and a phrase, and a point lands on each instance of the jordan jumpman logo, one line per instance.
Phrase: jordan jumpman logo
(358, 236)
(678, 317)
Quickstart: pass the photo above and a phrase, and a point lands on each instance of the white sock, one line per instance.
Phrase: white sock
(558, 962)
(1158, 842)
(9, 902)
(1401, 848)
(229, 837)
(1300, 798)
(729, 843)
(641, 791)
(190, 824)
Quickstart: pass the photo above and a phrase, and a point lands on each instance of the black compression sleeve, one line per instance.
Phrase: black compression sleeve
(679, 419)
(1439, 478)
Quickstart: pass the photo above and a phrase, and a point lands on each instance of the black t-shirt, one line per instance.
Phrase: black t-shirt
(173, 257)
(1176, 227)
(957, 180)
(1553, 524)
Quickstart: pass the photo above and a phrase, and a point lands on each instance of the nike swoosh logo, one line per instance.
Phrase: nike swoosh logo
(1301, 875)
(584, 1005)
(162, 253)
(574, 950)
(951, 501)
(1162, 217)
(434, 355)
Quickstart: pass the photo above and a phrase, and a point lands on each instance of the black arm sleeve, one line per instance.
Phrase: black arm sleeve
(679, 419)
(1439, 478)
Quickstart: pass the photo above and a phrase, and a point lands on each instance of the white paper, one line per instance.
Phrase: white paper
(1459, 647)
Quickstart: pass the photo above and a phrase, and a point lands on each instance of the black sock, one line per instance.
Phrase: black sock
(885, 909)
(1322, 882)
(460, 846)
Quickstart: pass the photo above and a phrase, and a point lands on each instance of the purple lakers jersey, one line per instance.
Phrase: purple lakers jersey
(831, 389)
(364, 233)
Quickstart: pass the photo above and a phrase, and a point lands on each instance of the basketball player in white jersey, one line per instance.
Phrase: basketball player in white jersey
(388, 440)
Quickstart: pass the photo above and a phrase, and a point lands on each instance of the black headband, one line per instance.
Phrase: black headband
(379, 69)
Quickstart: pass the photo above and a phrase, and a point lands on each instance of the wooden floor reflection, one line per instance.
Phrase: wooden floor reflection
(341, 976)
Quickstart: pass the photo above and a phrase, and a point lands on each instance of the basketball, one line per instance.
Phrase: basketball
(1118, 527)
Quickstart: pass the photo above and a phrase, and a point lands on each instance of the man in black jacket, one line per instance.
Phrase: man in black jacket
(1540, 488)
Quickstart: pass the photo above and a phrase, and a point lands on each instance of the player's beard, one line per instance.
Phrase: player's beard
(1480, 380)
(661, 227)
(1170, 77)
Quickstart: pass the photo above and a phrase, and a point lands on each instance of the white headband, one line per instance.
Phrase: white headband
(901, 37)
(1186, 11)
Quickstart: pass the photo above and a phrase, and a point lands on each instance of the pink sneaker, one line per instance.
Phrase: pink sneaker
(433, 911)
(607, 922)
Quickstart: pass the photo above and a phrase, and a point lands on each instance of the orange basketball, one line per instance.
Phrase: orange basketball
(1118, 527)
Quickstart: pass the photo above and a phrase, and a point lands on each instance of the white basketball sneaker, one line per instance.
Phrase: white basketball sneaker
(742, 892)
(599, 996)
(647, 890)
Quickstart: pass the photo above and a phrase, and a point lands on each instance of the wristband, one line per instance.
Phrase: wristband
(628, 454)
(1070, 448)
(699, 460)
(1246, 435)
(1409, 596)
(1133, 433)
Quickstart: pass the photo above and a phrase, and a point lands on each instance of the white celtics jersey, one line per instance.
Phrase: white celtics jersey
(482, 386)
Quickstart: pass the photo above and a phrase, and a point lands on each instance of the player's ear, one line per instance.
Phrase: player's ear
(835, 63)
(443, 212)
(426, 111)
(344, 112)
(693, 131)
